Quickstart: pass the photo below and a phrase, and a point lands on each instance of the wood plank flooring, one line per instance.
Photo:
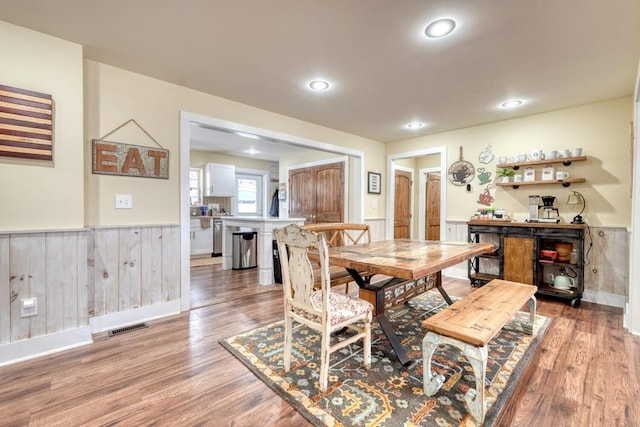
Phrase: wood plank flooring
(175, 373)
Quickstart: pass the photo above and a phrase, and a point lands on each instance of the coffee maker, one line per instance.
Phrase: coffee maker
(534, 208)
(550, 213)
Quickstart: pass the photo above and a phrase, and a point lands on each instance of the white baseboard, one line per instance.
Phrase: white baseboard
(604, 298)
(44, 345)
(135, 315)
(65, 340)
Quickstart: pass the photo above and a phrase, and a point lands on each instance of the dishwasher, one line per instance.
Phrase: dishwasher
(217, 237)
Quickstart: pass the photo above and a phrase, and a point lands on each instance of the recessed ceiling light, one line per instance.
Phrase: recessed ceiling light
(513, 103)
(251, 151)
(415, 125)
(319, 85)
(247, 135)
(440, 28)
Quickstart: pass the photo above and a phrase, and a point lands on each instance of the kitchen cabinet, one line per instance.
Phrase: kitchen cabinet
(517, 256)
(201, 236)
(220, 180)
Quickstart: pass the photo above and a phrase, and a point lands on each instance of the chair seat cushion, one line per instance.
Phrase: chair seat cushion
(343, 307)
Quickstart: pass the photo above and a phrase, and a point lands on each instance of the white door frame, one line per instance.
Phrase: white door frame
(186, 119)
(391, 159)
(422, 200)
(632, 310)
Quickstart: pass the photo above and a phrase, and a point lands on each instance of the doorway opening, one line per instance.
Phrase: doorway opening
(434, 159)
(188, 119)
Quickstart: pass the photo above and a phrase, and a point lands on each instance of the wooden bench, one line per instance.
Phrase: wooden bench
(469, 324)
(340, 234)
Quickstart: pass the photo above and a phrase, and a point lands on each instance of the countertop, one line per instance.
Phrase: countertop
(525, 224)
(261, 219)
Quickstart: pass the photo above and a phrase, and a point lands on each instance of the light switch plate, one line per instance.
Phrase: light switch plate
(124, 201)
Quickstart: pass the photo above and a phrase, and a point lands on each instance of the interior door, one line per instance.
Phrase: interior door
(402, 205)
(329, 192)
(432, 198)
(301, 199)
(317, 193)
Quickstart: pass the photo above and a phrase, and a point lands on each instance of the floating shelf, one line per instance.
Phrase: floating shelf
(564, 182)
(565, 161)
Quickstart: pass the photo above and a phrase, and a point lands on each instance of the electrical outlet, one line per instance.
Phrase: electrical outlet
(124, 201)
(28, 307)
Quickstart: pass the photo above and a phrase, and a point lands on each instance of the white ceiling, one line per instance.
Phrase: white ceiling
(551, 53)
(222, 141)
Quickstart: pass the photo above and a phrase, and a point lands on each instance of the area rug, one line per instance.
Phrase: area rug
(389, 394)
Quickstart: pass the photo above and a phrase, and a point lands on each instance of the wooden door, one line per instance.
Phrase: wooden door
(432, 221)
(301, 198)
(518, 259)
(329, 192)
(317, 193)
(402, 205)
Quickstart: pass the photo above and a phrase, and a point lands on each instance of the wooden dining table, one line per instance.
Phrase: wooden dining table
(412, 267)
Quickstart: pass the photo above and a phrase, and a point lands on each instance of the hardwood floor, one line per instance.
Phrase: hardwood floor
(175, 373)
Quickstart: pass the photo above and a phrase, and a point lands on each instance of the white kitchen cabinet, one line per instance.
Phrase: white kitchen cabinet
(220, 180)
(201, 237)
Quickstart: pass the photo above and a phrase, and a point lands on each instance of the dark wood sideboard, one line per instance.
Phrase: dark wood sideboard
(518, 258)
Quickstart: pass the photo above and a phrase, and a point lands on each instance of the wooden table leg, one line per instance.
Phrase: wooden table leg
(444, 293)
(387, 328)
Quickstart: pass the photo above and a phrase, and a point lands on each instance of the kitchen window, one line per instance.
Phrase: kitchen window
(195, 186)
(249, 194)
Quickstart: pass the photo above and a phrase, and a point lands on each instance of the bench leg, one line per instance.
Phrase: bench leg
(477, 357)
(430, 380)
(528, 326)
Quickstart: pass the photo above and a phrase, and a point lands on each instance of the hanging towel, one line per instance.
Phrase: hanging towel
(205, 222)
(275, 205)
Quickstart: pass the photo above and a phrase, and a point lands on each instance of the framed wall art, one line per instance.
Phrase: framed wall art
(374, 182)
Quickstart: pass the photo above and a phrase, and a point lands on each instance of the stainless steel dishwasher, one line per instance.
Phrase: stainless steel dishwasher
(217, 237)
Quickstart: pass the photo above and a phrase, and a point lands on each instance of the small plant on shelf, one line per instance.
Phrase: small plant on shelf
(504, 174)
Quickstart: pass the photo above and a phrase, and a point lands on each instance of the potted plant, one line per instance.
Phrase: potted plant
(504, 174)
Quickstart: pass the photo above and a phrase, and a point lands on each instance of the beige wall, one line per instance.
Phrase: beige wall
(41, 195)
(601, 129)
(114, 96)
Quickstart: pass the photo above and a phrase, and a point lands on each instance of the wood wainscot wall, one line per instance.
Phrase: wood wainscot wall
(376, 228)
(85, 281)
(606, 271)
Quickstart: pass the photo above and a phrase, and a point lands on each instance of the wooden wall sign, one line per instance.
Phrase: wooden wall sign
(26, 126)
(115, 158)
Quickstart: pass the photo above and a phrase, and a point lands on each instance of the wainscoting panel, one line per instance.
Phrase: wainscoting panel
(608, 269)
(376, 227)
(49, 266)
(133, 267)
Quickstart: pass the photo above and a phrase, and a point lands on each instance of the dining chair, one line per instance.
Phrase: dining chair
(341, 234)
(319, 309)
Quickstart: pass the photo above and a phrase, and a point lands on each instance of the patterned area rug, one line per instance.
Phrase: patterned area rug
(388, 394)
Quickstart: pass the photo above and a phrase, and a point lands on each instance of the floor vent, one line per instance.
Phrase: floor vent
(126, 329)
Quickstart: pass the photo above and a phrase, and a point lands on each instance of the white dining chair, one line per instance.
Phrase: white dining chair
(321, 309)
